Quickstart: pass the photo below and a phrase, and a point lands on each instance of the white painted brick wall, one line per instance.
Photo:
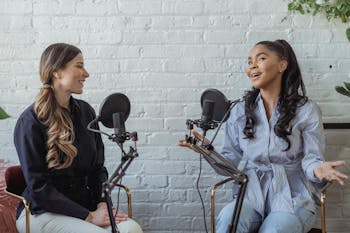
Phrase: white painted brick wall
(163, 54)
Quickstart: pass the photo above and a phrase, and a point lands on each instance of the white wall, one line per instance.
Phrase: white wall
(163, 54)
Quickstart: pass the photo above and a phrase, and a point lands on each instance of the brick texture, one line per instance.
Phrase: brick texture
(162, 54)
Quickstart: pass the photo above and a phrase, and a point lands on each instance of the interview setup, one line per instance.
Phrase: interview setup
(113, 113)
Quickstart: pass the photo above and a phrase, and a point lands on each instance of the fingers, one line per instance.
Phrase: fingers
(340, 174)
(120, 216)
(332, 174)
(337, 163)
(183, 143)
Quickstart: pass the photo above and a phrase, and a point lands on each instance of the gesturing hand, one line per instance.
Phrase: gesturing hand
(327, 172)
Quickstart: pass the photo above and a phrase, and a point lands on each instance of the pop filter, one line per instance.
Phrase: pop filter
(114, 103)
(221, 106)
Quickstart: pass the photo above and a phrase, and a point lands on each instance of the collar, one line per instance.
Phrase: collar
(74, 104)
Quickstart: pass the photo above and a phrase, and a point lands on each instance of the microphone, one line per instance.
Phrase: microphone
(221, 106)
(119, 126)
(114, 103)
(113, 113)
(216, 110)
(207, 114)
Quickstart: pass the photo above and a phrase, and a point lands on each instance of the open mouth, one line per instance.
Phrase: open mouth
(255, 75)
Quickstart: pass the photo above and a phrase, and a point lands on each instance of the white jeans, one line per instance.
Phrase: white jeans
(56, 223)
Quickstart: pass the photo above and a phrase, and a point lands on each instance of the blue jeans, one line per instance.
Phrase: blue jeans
(251, 221)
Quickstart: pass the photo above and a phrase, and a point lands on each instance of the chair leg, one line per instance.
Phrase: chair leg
(26, 206)
(323, 211)
(212, 198)
(128, 194)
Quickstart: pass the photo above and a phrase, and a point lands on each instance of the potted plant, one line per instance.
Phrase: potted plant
(344, 90)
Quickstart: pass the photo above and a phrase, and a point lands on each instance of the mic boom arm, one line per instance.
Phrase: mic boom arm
(224, 167)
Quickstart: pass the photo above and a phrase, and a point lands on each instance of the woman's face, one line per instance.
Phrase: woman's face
(265, 68)
(72, 76)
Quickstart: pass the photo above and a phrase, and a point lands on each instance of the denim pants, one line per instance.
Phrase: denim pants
(56, 223)
(251, 221)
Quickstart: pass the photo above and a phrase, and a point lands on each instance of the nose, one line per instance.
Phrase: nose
(253, 65)
(86, 74)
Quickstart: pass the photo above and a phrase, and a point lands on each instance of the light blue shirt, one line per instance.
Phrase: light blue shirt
(278, 180)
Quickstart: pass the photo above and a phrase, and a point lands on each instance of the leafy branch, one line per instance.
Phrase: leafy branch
(333, 9)
(3, 114)
(344, 90)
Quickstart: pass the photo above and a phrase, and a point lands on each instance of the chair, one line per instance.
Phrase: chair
(15, 185)
(128, 194)
(322, 203)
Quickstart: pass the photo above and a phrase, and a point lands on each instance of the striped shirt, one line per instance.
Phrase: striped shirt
(278, 180)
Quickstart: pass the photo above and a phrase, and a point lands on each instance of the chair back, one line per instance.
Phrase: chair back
(15, 180)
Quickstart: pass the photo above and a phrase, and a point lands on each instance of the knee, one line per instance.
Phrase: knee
(249, 219)
(129, 226)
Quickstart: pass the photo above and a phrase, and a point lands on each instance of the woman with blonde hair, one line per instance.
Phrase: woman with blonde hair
(62, 162)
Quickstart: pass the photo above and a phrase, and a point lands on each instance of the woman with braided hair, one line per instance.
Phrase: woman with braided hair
(63, 162)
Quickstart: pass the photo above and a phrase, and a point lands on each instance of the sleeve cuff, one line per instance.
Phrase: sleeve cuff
(310, 172)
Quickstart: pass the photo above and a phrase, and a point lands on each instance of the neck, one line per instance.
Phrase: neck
(270, 100)
(63, 99)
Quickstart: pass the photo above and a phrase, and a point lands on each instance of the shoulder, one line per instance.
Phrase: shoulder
(83, 106)
(29, 116)
(310, 107)
(28, 123)
(237, 112)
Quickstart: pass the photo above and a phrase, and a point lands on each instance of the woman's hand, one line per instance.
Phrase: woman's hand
(326, 172)
(120, 216)
(100, 216)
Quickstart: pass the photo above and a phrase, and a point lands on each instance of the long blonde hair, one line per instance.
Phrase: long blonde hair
(60, 132)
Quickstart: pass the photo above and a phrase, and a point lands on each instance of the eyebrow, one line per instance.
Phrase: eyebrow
(262, 53)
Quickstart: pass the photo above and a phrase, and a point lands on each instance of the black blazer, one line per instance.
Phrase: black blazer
(73, 191)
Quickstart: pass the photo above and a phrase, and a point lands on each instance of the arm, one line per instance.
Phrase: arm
(231, 149)
(30, 142)
(99, 173)
(313, 141)
(314, 165)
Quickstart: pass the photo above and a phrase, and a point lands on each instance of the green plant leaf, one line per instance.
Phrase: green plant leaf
(342, 91)
(348, 33)
(347, 85)
(3, 114)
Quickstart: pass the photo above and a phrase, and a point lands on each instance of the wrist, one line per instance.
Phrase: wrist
(89, 218)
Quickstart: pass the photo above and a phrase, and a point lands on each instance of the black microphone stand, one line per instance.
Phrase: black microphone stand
(219, 162)
(115, 178)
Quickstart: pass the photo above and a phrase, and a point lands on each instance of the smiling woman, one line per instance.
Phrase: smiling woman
(62, 162)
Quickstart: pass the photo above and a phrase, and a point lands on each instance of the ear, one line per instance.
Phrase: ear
(56, 74)
(283, 65)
